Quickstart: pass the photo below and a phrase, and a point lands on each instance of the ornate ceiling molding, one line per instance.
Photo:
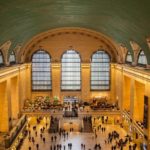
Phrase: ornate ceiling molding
(105, 42)
(5, 49)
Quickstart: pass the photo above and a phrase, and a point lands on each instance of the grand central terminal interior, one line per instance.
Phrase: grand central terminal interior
(74, 75)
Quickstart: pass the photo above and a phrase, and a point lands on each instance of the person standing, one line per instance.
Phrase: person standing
(37, 146)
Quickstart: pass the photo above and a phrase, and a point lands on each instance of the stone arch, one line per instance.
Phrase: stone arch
(77, 51)
(136, 49)
(57, 41)
(5, 48)
(123, 51)
(16, 51)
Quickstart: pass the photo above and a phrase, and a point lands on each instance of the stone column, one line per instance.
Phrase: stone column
(56, 79)
(119, 86)
(85, 76)
(24, 79)
(15, 104)
(112, 83)
(8, 102)
(5, 106)
(132, 98)
(147, 93)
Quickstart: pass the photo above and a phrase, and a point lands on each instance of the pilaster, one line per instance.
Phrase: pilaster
(132, 98)
(85, 81)
(56, 79)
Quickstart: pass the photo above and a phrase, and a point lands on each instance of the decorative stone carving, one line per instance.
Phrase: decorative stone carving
(136, 49)
(55, 61)
(123, 51)
(16, 51)
(135, 46)
(94, 36)
(86, 61)
(5, 50)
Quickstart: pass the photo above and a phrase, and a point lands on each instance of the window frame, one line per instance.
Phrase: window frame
(139, 64)
(103, 90)
(129, 54)
(50, 70)
(12, 62)
(72, 71)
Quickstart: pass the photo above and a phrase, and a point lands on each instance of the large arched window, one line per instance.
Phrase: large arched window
(128, 57)
(41, 71)
(71, 71)
(142, 60)
(12, 58)
(1, 59)
(100, 71)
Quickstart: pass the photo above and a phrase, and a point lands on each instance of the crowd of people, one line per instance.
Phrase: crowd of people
(117, 142)
(38, 136)
(113, 139)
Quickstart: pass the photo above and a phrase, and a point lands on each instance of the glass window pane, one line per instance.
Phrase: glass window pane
(142, 60)
(71, 70)
(100, 71)
(12, 58)
(129, 57)
(1, 59)
(41, 71)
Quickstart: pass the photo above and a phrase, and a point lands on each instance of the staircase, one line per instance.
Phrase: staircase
(54, 125)
(87, 124)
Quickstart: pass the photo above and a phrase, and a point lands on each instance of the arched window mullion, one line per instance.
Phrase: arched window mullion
(142, 60)
(100, 71)
(41, 71)
(129, 57)
(12, 58)
(71, 71)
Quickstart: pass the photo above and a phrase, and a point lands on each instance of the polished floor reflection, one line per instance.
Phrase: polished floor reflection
(76, 138)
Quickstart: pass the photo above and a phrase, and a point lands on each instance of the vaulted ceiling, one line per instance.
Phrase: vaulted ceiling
(121, 20)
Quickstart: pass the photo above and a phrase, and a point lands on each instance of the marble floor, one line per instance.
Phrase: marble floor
(76, 138)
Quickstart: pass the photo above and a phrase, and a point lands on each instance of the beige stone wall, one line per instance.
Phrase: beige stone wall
(126, 93)
(128, 87)
(132, 84)
(118, 85)
(14, 89)
(15, 104)
(58, 44)
(139, 101)
(84, 94)
(56, 79)
(57, 41)
(4, 108)
(85, 91)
